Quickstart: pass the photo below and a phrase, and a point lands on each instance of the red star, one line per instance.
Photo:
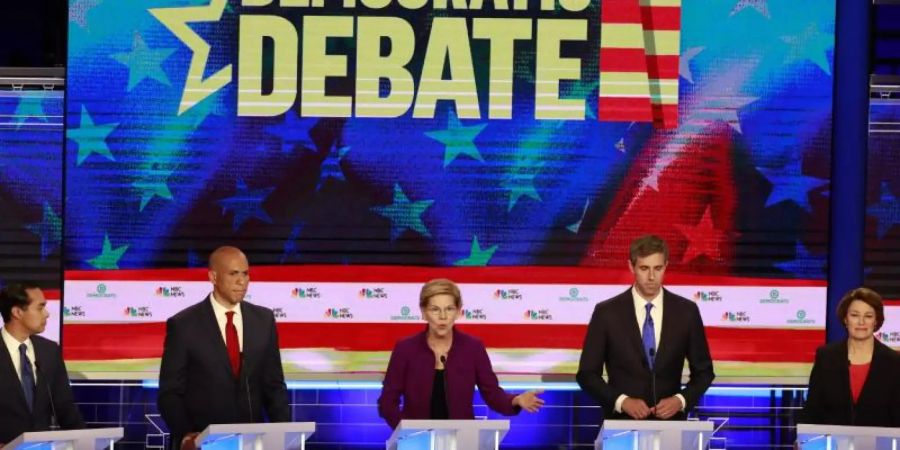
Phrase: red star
(703, 238)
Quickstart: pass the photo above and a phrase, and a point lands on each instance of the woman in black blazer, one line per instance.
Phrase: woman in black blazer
(855, 381)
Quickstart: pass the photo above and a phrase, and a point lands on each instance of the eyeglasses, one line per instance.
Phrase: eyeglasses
(436, 310)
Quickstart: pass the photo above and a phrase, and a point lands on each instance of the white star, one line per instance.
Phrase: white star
(759, 5)
(811, 44)
(684, 63)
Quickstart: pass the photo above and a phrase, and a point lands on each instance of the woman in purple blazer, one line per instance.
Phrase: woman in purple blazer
(436, 371)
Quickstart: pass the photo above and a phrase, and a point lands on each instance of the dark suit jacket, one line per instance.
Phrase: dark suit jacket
(52, 378)
(614, 341)
(196, 384)
(830, 401)
(410, 374)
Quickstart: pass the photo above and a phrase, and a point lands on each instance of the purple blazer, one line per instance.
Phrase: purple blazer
(410, 374)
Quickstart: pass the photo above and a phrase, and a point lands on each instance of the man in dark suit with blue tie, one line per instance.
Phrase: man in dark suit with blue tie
(643, 337)
(221, 362)
(34, 385)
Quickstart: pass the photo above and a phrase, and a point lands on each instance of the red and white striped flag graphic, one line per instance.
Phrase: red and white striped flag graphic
(639, 50)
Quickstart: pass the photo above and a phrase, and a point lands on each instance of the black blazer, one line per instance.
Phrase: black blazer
(613, 340)
(52, 378)
(196, 385)
(830, 401)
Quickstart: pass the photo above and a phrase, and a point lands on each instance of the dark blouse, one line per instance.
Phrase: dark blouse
(439, 397)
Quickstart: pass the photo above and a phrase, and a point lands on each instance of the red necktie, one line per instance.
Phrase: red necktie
(233, 344)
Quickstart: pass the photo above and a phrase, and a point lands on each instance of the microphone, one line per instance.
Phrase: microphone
(246, 378)
(446, 391)
(852, 412)
(653, 374)
(54, 424)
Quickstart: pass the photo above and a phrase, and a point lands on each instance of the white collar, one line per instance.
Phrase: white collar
(220, 310)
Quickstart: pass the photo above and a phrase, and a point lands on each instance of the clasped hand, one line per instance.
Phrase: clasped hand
(638, 409)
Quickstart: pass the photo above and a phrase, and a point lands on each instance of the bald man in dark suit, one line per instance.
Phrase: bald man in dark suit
(221, 362)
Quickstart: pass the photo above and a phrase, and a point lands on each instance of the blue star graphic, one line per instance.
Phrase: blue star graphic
(478, 257)
(458, 139)
(291, 252)
(246, 204)
(331, 166)
(789, 184)
(91, 138)
(30, 107)
(109, 257)
(520, 181)
(144, 62)
(153, 182)
(49, 229)
(404, 214)
(805, 265)
(811, 44)
(293, 131)
(887, 210)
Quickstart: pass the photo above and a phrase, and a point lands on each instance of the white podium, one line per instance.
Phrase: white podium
(86, 439)
(257, 436)
(654, 435)
(839, 437)
(448, 435)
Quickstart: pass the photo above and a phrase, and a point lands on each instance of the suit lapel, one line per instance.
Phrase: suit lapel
(251, 340)
(6, 365)
(633, 333)
(214, 335)
(668, 326)
(878, 360)
(40, 376)
(843, 381)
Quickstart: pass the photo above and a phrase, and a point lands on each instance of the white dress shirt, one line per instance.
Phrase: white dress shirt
(12, 346)
(222, 320)
(656, 313)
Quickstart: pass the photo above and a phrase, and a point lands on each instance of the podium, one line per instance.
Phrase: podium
(86, 439)
(654, 435)
(448, 435)
(841, 437)
(256, 436)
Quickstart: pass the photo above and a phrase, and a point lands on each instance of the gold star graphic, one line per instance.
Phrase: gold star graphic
(176, 20)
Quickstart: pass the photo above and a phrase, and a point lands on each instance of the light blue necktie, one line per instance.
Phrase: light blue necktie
(27, 376)
(649, 336)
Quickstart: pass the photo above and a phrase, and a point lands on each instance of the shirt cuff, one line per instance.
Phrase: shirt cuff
(619, 401)
(683, 401)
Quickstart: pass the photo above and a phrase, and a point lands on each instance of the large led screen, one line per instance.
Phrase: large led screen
(355, 149)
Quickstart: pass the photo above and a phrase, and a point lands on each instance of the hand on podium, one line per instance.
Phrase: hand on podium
(666, 407)
(529, 401)
(636, 408)
(189, 442)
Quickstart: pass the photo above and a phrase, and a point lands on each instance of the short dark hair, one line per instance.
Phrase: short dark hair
(14, 294)
(440, 286)
(647, 245)
(867, 296)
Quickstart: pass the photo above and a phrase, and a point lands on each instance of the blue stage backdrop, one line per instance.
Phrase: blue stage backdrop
(882, 256)
(355, 149)
(31, 165)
